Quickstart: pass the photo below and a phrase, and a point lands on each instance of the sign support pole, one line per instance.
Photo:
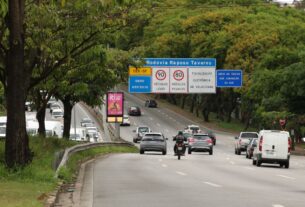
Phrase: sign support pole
(117, 131)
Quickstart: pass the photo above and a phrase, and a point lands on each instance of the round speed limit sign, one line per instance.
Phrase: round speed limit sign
(160, 74)
(178, 75)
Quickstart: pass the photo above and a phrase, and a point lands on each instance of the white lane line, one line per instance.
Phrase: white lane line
(135, 123)
(151, 118)
(164, 165)
(212, 184)
(232, 163)
(160, 160)
(285, 176)
(227, 158)
(158, 124)
(166, 130)
(180, 173)
(277, 205)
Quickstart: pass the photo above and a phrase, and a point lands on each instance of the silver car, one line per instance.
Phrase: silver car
(200, 143)
(153, 142)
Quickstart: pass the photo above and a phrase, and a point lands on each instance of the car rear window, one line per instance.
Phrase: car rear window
(194, 128)
(249, 135)
(143, 129)
(133, 108)
(153, 138)
(201, 137)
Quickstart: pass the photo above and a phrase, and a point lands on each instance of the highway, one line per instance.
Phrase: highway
(199, 179)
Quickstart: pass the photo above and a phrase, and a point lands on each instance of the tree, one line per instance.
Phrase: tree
(17, 151)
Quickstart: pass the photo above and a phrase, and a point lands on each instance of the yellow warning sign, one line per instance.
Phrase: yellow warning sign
(145, 71)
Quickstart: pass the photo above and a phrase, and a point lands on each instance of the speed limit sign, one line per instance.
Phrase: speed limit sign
(178, 80)
(160, 74)
(178, 75)
(160, 80)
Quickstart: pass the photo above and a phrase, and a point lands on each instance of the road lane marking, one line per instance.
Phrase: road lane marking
(158, 124)
(160, 160)
(249, 168)
(164, 165)
(166, 130)
(287, 177)
(277, 205)
(227, 158)
(180, 173)
(212, 184)
(151, 118)
(233, 163)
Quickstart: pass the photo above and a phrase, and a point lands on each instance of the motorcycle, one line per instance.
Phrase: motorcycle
(180, 151)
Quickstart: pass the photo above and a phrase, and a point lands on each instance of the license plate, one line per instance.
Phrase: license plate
(179, 148)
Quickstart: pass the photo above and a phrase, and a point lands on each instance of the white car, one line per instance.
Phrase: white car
(57, 113)
(273, 146)
(126, 121)
(192, 129)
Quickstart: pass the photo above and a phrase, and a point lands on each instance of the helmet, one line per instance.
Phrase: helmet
(180, 133)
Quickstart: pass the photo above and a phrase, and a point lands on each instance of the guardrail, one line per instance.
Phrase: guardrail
(68, 152)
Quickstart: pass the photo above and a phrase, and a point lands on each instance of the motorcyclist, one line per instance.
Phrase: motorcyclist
(179, 138)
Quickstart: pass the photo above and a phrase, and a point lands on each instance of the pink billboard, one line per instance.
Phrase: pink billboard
(115, 105)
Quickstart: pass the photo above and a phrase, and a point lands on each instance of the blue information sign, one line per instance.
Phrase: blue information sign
(180, 62)
(229, 78)
(139, 84)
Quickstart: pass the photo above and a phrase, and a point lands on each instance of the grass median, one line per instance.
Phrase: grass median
(29, 186)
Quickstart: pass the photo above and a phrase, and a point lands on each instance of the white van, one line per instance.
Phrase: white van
(3, 120)
(273, 146)
(53, 129)
(80, 134)
(32, 127)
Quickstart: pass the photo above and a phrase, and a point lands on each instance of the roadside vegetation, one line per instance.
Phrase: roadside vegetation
(29, 186)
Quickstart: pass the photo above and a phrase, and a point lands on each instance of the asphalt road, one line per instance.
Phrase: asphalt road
(221, 179)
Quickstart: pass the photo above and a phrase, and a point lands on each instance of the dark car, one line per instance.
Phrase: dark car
(250, 148)
(151, 103)
(212, 136)
(134, 111)
(200, 143)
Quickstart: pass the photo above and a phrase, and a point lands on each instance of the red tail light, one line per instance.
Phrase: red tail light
(209, 141)
(260, 144)
(289, 144)
(191, 140)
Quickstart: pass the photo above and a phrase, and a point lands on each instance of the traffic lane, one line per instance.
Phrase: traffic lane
(143, 183)
(171, 121)
(171, 115)
(140, 179)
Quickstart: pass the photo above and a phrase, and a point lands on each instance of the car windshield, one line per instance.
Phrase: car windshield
(144, 129)
(86, 120)
(249, 135)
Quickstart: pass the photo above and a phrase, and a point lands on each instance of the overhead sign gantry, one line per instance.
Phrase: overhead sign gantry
(174, 75)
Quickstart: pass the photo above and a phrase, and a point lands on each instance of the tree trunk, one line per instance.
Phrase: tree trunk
(17, 151)
(67, 116)
(193, 103)
(205, 114)
(41, 114)
(183, 99)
